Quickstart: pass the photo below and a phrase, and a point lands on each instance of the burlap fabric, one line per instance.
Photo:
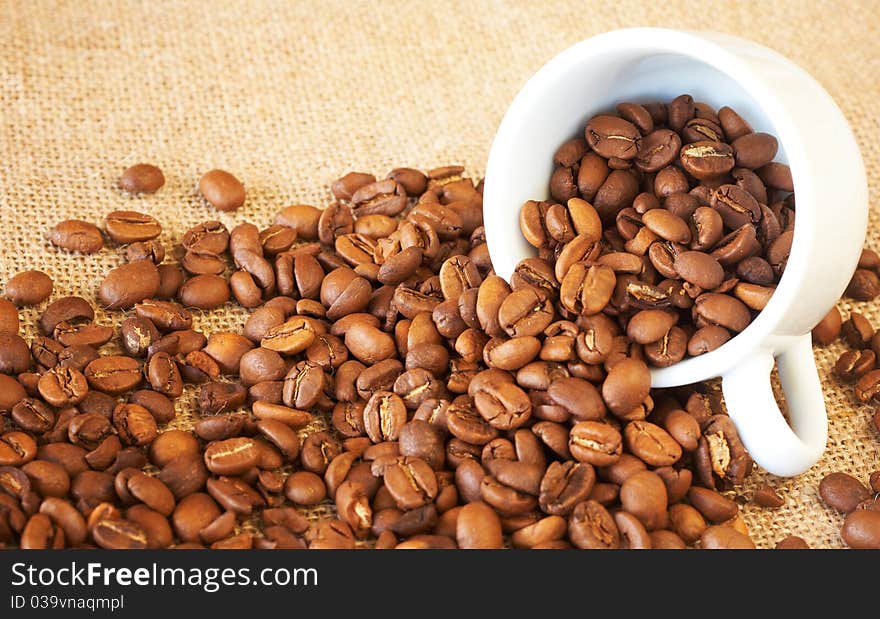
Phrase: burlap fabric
(289, 95)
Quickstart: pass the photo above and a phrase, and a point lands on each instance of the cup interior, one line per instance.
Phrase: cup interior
(592, 78)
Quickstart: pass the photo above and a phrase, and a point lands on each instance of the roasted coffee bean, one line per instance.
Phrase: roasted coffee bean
(792, 542)
(113, 374)
(626, 386)
(142, 178)
(714, 506)
(29, 414)
(15, 358)
(134, 424)
(305, 488)
(643, 495)
(184, 474)
(564, 485)
(222, 190)
(722, 537)
(478, 526)
(853, 364)
(868, 386)
(29, 288)
(721, 458)
(707, 159)
(232, 456)
(722, 310)
(172, 444)
(63, 386)
(597, 443)
(131, 227)
(766, 496)
(864, 285)
(13, 396)
(77, 235)
(828, 329)
(857, 331)
(842, 492)
(318, 450)
(651, 443)
(17, 448)
(592, 527)
(137, 335)
(164, 376)
(754, 150)
(205, 292)
(861, 529)
(610, 136)
(128, 284)
(291, 337)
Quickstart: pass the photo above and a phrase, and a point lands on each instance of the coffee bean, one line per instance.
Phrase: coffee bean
(17, 448)
(29, 288)
(626, 386)
(707, 159)
(135, 424)
(142, 178)
(77, 235)
(62, 386)
(564, 485)
(113, 374)
(28, 413)
(686, 522)
(792, 542)
(232, 456)
(610, 136)
(644, 495)
(222, 190)
(864, 285)
(205, 292)
(13, 396)
(478, 526)
(853, 364)
(131, 226)
(172, 444)
(828, 328)
(40, 534)
(713, 505)
(280, 435)
(592, 527)
(868, 386)
(318, 450)
(861, 529)
(651, 443)
(766, 496)
(777, 176)
(754, 150)
(128, 284)
(721, 537)
(722, 310)
(842, 492)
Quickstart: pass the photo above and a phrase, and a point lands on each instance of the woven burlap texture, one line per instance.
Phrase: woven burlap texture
(290, 95)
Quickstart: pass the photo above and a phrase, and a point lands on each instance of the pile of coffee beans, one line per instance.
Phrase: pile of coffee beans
(387, 390)
(670, 223)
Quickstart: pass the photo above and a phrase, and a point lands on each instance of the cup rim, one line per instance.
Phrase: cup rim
(653, 41)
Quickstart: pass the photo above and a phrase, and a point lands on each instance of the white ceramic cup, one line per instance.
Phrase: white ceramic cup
(775, 96)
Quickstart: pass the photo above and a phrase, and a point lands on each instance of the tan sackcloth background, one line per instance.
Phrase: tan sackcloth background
(290, 95)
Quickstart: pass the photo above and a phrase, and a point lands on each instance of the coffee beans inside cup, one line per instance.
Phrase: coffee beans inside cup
(666, 220)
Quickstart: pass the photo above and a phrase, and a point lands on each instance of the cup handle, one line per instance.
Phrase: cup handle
(779, 449)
